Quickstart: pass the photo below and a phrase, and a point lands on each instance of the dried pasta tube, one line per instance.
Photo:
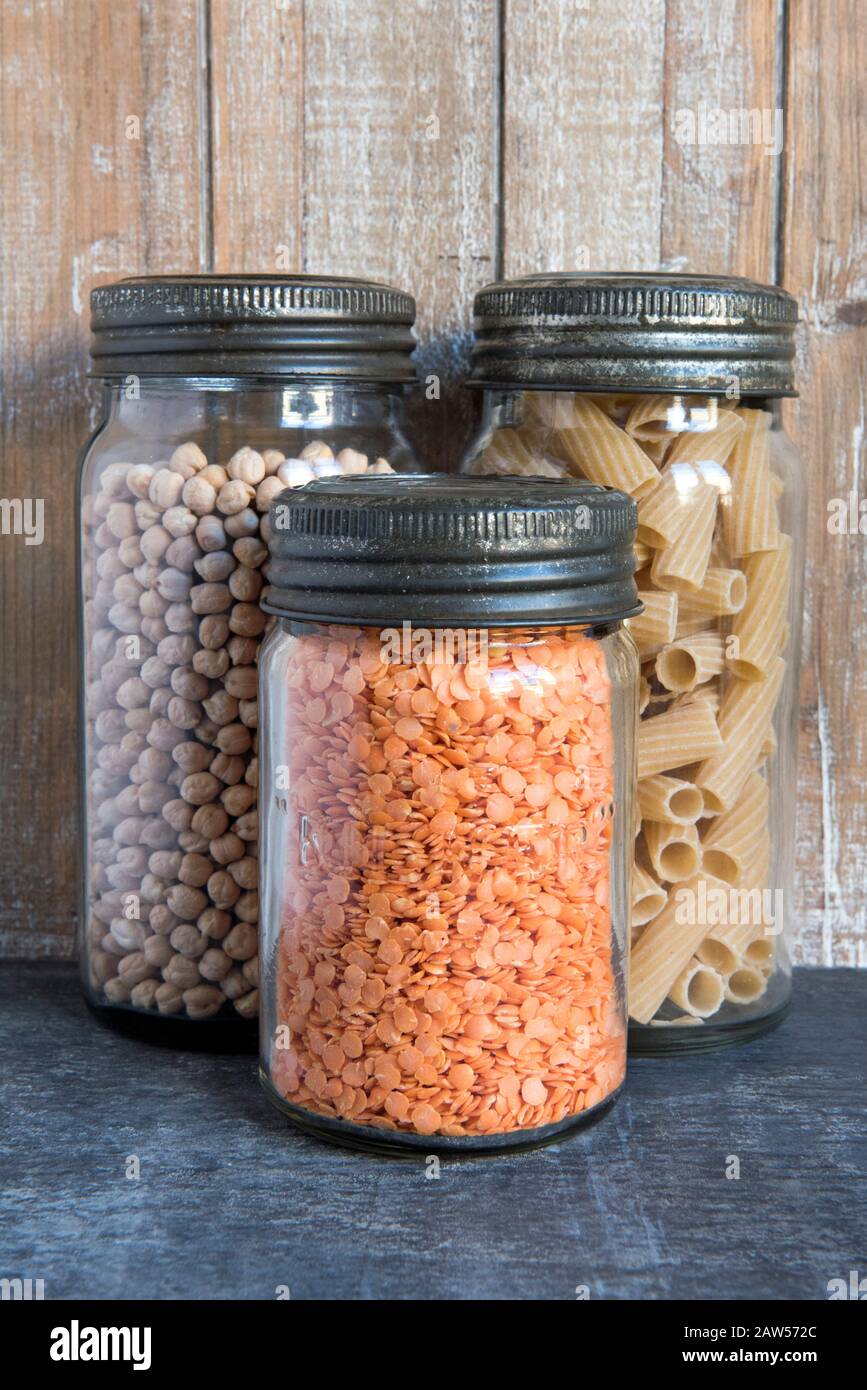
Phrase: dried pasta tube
(666, 947)
(648, 898)
(710, 693)
(655, 627)
(682, 565)
(734, 838)
(674, 850)
(708, 446)
(749, 513)
(689, 661)
(517, 452)
(598, 449)
(664, 511)
(760, 953)
(649, 418)
(688, 627)
(656, 449)
(723, 592)
(548, 407)
(744, 718)
(744, 985)
(698, 990)
(718, 955)
(669, 799)
(643, 694)
(758, 628)
(744, 911)
(685, 733)
(643, 554)
(735, 935)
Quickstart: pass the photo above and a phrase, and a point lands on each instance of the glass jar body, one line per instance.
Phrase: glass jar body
(447, 852)
(721, 499)
(174, 488)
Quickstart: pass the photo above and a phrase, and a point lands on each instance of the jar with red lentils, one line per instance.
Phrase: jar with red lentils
(449, 703)
(219, 393)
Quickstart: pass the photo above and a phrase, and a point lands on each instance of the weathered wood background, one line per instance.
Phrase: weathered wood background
(435, 144)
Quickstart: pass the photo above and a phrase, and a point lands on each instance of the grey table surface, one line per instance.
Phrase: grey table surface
(233, 1203)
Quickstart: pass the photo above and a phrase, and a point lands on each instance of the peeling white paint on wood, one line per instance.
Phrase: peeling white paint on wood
(825, 263)
(432, 144)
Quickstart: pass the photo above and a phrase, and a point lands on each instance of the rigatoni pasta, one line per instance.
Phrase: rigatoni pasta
(745, 717)
(749, 510)
(684, 733)
(664, 511)
(690, 661)
(656, 626)
(683, 563)
(598, 449)
(745, 985)
(669, 799)
(664, 948)
(715, 575)
(648, 898)
(710, 447)
(723, 591)
(735, 837)
(757, 630)
(673, 850)
(649, 419)
(699, 989)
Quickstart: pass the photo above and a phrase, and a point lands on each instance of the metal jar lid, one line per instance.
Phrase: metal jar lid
(310, 327)
(434, 549)
(635, 332)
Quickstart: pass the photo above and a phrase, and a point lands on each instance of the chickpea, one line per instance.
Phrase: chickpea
(165, 488)
(188, 457)
(246, 466)
(234, 497)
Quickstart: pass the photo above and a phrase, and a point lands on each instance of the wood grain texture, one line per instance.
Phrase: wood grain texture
(824, 261)
(619, 1207)
(256, 65)
(582, 135)
(81, 203)
(400, 125)
(719, 199)
(434, 148)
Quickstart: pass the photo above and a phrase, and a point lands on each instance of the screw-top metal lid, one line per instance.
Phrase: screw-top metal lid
(635, 332)
(436, 549)
(310, 327)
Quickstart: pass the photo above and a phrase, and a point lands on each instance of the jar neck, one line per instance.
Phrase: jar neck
(455, 637)
(141, 404)
(508, 409)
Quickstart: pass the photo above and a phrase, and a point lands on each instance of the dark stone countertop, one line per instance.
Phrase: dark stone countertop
(232, 1202)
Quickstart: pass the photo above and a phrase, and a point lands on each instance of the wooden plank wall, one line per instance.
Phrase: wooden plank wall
(436, 144)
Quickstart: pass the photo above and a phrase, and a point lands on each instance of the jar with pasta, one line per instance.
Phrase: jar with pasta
(449, 707)
(670, 387)
(219, 393)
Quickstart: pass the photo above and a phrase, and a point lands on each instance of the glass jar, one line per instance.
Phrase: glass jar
(448, 742)
(669, 387)
(218, 394)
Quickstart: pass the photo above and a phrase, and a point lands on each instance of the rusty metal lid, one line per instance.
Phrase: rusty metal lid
(434, 549)
(303, 327)
(635, 332)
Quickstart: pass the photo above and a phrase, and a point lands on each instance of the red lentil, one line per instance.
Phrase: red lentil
(445, 955)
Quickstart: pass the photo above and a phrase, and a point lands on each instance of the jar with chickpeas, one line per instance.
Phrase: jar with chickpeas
(449, 710)
(218, 394)
(670, 387)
